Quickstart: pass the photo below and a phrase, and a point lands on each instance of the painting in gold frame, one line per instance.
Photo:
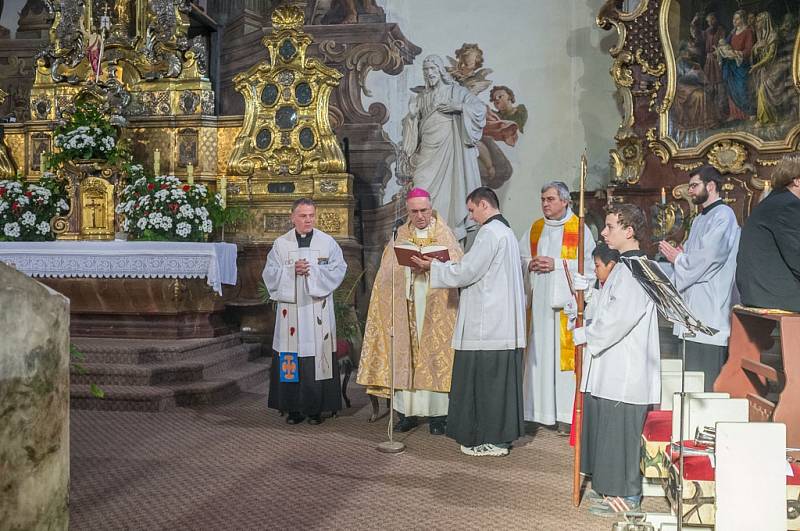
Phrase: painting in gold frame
(732, 72)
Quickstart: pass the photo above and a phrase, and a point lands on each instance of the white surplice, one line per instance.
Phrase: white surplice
(491, 307)
(304, 318)
(419, 402)
(704, 273)
(548, 391)
(622, 356)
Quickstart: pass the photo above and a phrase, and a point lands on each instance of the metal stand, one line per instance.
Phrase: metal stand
(391, 446)
(679, 486)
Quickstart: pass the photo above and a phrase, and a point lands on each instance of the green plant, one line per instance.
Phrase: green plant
(76, 356)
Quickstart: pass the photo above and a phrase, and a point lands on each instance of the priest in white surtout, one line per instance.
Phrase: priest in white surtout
(303, 268)
(485, 410)
(704, 271)
(549, 387)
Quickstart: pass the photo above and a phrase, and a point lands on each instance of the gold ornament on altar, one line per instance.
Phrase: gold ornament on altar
(286, 148)
(92, 191)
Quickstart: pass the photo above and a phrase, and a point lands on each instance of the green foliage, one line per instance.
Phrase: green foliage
(77, 356)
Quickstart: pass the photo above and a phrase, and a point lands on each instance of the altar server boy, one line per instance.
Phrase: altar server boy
(621, 375)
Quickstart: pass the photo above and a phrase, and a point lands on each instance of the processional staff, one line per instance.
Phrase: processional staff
(577, 420)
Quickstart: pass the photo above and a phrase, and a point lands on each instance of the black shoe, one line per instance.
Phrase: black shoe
(315, 420)
(437, 425)
(406, 424)
(295, 418)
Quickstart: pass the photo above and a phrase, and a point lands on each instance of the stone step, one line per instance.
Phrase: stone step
(138, 351)
(153, 398)
(196, 368)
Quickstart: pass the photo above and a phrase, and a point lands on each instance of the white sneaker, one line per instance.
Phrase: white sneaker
(471, 450)
(491, 449)
(485, 450)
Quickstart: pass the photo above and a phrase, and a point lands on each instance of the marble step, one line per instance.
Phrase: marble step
(136, 351)
(155, 398)
(194, 369)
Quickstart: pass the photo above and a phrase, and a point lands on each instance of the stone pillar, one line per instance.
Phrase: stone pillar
(34, 399)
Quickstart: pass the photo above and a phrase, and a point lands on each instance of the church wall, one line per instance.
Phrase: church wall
(550, 54)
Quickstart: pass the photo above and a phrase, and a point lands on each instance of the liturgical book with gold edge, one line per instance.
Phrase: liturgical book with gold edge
(404, 252)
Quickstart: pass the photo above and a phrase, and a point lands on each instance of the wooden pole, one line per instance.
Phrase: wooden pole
(578, 419)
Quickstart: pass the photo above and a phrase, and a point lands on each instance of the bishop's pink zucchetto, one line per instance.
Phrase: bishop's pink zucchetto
(418, 192)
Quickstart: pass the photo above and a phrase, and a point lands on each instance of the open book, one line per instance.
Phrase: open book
(404, 252)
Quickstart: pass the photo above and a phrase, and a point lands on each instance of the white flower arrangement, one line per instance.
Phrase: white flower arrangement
(164, 208)
(27, 208)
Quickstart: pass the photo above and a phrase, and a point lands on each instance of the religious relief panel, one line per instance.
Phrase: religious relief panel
(730, 71)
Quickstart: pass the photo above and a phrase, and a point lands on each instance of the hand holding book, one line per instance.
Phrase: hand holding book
(410, 255)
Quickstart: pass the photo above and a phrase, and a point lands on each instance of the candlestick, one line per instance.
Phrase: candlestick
(156, 162)
(190, 173)
(663, 196)
(223, 190)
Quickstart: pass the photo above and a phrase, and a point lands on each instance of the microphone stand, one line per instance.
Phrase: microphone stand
(391, 446)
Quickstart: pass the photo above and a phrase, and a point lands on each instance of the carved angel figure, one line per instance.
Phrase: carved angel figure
(467, 69)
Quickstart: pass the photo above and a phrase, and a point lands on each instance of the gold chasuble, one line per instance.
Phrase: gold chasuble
(425, 364)
(569, 251)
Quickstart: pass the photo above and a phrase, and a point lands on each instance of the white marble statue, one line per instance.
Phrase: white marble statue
(440, 133)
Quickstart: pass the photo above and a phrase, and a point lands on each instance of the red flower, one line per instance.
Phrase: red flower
(164, 186)
(14, 206)
(173, 207)
(186, 187)
(2, 191)
(28, 193)
(150, 186)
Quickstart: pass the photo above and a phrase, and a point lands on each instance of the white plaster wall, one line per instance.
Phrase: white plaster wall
(10, 15)
(551, 54)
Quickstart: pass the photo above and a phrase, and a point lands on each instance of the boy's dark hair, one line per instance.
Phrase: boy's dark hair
(631, 216)
(486, 194)
(605, 254)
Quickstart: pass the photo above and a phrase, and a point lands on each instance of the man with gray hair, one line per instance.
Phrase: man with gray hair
(440, 133)
(549, 385)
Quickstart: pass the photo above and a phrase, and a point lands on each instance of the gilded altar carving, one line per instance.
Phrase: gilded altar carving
(92, 186)
(6, 165)
(728, 156)
(330, 222)
(285, 147)
(627, 160)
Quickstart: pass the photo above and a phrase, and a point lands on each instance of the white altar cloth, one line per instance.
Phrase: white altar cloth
(216, 262)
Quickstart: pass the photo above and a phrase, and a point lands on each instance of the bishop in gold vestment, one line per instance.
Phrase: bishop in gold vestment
(424, 320)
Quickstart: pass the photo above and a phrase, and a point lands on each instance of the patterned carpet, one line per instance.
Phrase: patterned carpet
(238, 465)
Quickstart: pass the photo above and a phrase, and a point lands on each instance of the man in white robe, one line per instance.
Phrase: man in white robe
(440, 135)
(303, 269)
(704, 272)
(621, 371)
(485, 411)
(549, 387)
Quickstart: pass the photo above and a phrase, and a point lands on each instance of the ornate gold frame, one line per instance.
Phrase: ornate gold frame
(662, 140)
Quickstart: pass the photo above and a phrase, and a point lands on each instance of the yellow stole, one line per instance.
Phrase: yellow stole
(569, 251)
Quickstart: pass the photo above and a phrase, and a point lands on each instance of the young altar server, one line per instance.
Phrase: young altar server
(303, 269)
(485, 410)
(621, 372)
